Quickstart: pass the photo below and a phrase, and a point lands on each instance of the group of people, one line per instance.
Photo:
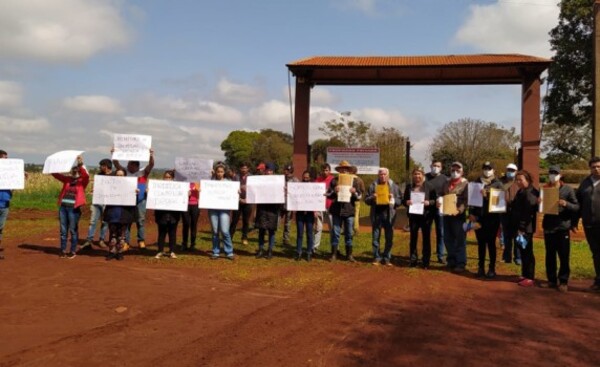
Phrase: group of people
(516, 225)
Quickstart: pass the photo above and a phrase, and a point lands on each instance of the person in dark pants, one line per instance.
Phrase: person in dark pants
(244, 210)
(511, 250)
(305, 220)
(588, 195)
(189, 219)
(523, 220)
(167, 221)
(118, 218)
(436, 180)
(422, 221)
(556, 231)
(489, 222)
(267, 219)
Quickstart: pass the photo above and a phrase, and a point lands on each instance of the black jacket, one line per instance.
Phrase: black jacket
(564, 220)
(524, 210)
(588, 197)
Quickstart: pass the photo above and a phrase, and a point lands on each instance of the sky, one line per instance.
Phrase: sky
(188, 72)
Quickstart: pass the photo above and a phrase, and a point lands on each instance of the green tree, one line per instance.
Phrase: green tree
(238, 147)
(318, 149)
(473, 142)
(570, 78)
(352, 133)
(272, 146)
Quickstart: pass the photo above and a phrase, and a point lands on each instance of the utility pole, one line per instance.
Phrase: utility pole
(596, 109)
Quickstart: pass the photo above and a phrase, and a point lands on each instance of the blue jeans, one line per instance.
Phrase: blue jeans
(219, 220)
(382, 221)
(69, 222)
(337, 229)
(95, 216)
(454, 238)
(261, 238)
(3, 216)
(304, 219)
(140, 220)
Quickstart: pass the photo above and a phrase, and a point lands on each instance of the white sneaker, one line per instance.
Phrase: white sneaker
(159, 255)
(173, 256)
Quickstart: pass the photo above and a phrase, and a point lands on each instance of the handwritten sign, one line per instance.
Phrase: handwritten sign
(192, 169)
(60, 162)
(168, 195)
(306, 196)
(418, 203)
(131, 147)
(219, 194)
(475, 196)
(114, 190)
(497, 201)
(12, 174)
(267, 189)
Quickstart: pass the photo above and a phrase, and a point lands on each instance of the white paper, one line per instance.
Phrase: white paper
(541, 204)
(219, 194)
(501, 206)
(12, 174)
(114, 190)
(266, 189)
(306, 196)
(168, 195)
(192, 169)
(61, 162)
(475, 196)
(418, 203)
(344, 195)
(130, 147)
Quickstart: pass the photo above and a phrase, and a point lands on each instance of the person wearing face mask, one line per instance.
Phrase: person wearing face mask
(511, 250)
(556, 231)
(70, 201)
(454, 235)
(436, 180)
(490, 222)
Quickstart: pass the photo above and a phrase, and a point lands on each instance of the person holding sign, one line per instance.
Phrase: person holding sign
(5, 197)
(96, 211)
(267, 218)
(70, 201)
(133, 169)
(556, 230)
(305, 220)
(345, 192)
(118, 218)
(523, 221)
(510, 191)
(419, 198)
(454, 204)
(219, 221)
(489, 223)
(167, 221)
(190, 219)
(326, 177)
(383, 196)
(436, 180)
(245, 209)
(288, 216)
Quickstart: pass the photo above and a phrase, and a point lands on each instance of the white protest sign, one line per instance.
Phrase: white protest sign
(306, 196)
(366, 160)
(475, 196)
(267, 189)
(192, 169)
(131, 147)
(168, 195)
(114, 190)
(418, 203)
(220, 194)
(61, 162)
(12, 174)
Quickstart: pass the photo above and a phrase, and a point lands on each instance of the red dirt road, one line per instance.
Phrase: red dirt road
(142, 312)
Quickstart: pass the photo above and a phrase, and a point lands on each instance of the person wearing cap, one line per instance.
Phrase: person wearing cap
(96, 211)
(267, 218)
(420, 221)
(509, 185)
(523, 221)
(588, 195)
(361, 184)
(489, 222)
(70, 201)
(287, 216)
(454, 235)
(436, 180)
(343, 212)
(260, 168)
(326, 177)
(244, 209)
(556, 231)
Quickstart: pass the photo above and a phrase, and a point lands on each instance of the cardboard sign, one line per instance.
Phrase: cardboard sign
(12, 174)
(267, 189)
(383, 194)
(306, 196)
(131, 147)
(550, 197)
(220, 194)
(61, 162)
(168, 195)
(497, 201)
(114, 190)
(449, 204)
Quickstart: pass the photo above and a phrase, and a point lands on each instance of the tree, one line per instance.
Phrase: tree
(352, 133)
(392, 150)
(272, 146)
(238, 147)
(318, 149)
(567, 143)
(473, 142)
(570, 77)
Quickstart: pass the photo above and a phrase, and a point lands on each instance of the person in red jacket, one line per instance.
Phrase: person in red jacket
(70, 201)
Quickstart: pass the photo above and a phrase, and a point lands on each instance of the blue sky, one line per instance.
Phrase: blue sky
(74, 72)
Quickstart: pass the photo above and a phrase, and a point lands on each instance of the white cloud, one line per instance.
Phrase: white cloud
(95, 104)
(510, 27)
(238, 93)
(271, 114)
(11, 94)
(195, 110)
(323, 97)
(22, 125)
(60, 30)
